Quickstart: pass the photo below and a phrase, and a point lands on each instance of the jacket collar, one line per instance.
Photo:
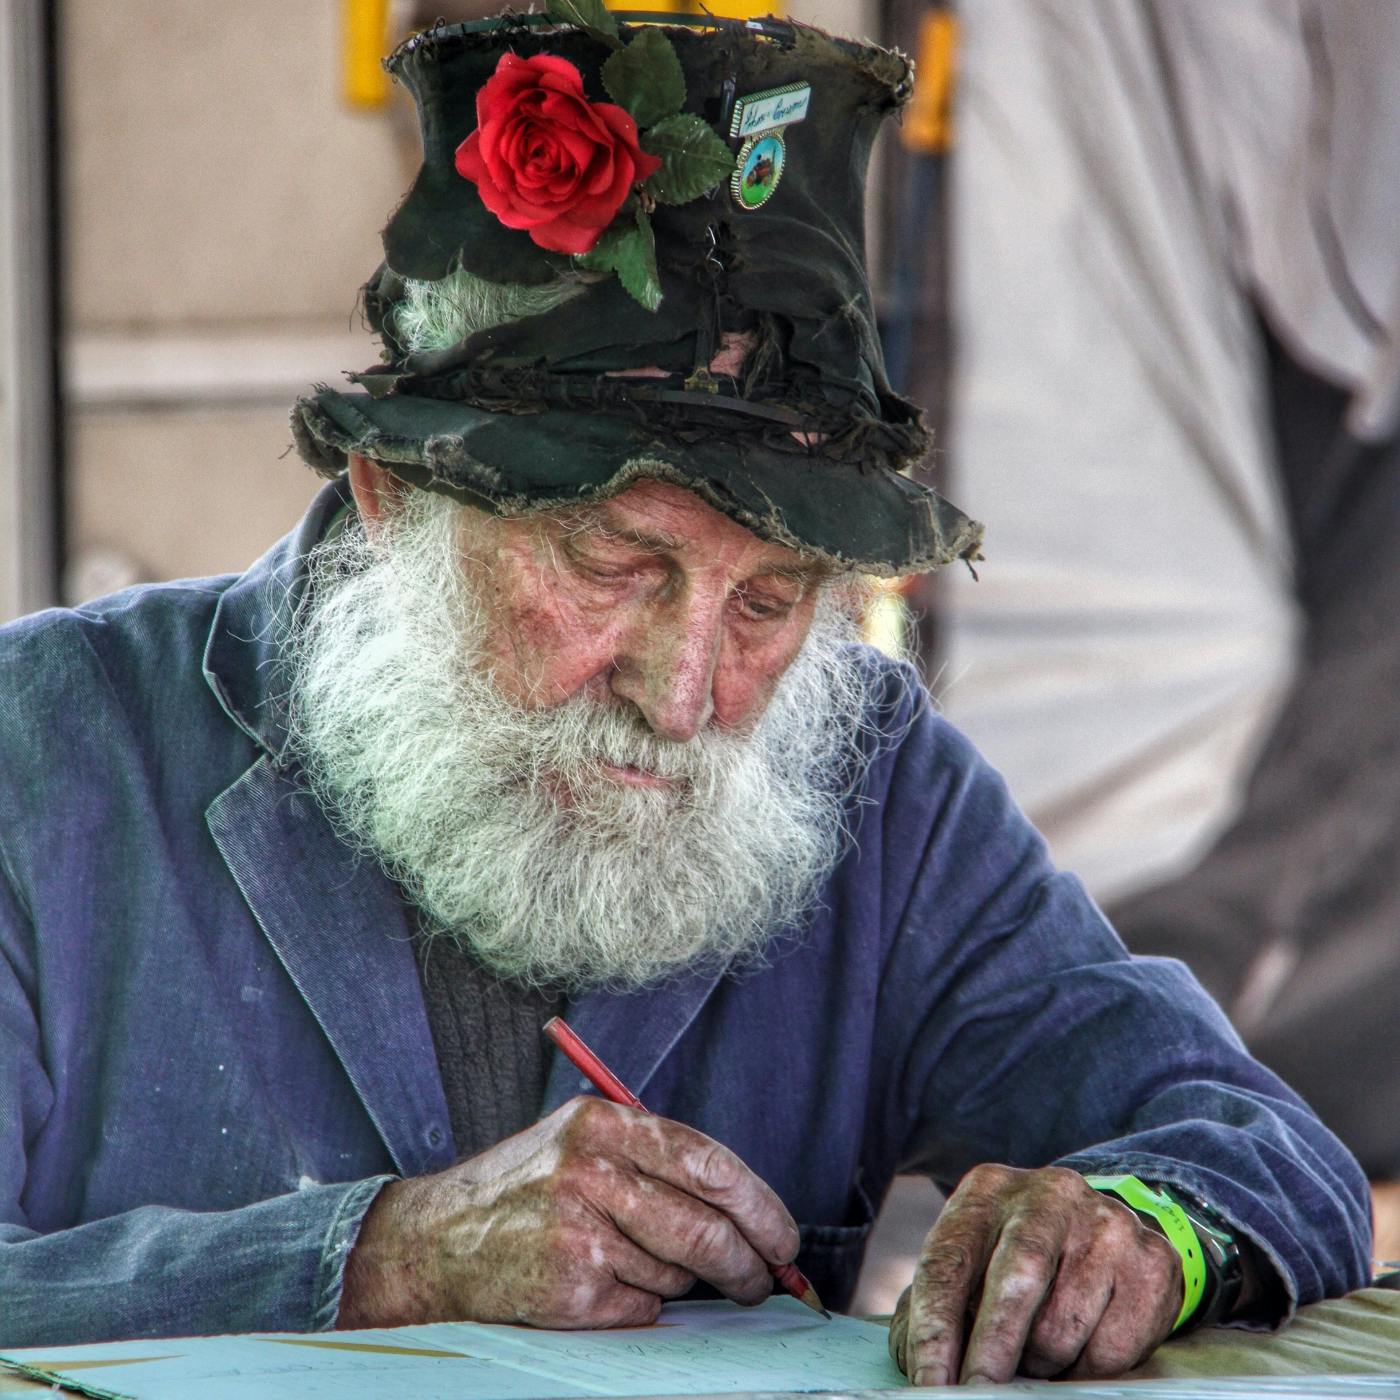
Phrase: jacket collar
(241, 657)
(631, 1032)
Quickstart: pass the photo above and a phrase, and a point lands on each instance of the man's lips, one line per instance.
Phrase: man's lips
(626, 773)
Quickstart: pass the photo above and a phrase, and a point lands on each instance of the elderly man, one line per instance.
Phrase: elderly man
(551, 704)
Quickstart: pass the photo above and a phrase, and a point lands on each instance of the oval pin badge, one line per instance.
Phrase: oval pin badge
(758, 169)
(759, 120)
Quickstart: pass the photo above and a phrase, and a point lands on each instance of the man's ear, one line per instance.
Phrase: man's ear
(376, 491)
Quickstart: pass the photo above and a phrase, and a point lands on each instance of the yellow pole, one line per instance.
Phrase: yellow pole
(365, 31)
(928, 121)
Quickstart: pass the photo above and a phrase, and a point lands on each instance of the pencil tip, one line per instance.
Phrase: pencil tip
(809, 1296)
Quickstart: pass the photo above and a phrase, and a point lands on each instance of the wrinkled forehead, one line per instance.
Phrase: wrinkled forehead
(659, 517)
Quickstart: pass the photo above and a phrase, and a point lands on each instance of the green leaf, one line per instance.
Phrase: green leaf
(646, 77)
(591, 15)
(599, 256)
(693, 159)
(628, 248)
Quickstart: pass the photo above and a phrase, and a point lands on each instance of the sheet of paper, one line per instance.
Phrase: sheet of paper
(695, 1348)
(714, 1348)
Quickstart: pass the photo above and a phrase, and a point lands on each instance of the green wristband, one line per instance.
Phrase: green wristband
(1179, 1231)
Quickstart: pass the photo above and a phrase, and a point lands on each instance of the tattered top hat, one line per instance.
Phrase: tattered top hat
(636, 249)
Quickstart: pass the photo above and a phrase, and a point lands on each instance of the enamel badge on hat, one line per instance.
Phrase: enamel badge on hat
(759, 120)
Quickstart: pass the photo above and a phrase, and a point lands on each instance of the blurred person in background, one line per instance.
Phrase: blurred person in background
(1177, 279)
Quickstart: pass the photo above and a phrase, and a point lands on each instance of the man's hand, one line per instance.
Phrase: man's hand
(1036, 1272)
(589, 1219)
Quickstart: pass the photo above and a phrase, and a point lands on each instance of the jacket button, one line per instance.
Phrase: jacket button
(435, 1137)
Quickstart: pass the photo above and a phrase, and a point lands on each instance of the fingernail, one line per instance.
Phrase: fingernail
(930, 1375)
(979, 1380)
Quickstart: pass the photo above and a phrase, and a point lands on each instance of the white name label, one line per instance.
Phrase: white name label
(763, 111)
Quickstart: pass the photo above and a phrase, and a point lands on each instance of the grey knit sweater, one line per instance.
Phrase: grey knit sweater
(486, 1031)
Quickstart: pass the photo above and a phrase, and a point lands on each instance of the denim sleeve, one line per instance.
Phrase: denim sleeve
(1045, 1042)
(276, 1265)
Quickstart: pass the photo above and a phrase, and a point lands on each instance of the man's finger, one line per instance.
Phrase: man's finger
(950, 1268)
(675, 1228)
(1020, 1275)
(636, 1267)
(623, 1306)
(899, 1329)
(1126, 1333)
(697, 1165)
(1141, 1309)
(1068, 1316)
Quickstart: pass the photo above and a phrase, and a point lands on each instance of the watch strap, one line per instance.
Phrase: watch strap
(1174, 1223)
(1223, 1253)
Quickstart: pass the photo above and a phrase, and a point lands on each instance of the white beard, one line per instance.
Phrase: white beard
(420, 761)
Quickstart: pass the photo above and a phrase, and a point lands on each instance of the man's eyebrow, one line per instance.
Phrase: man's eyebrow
(808, 572)
(596, 520)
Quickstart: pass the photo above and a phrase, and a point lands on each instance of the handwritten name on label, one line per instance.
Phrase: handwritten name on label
(762, 111)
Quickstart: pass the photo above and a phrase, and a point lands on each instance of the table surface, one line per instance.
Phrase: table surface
(1345, 1347)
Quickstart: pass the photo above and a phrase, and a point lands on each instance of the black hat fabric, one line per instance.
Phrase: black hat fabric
(716, 329)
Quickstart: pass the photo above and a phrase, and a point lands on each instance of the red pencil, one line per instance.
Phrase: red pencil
(789, 1276)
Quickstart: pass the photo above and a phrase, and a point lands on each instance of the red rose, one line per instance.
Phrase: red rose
(547, 160)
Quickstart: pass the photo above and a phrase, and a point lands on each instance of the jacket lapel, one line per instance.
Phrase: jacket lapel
(630, 1032)
(339, 930)
(333, 918)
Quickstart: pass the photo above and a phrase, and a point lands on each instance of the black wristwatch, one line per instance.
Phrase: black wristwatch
(1220, 1251)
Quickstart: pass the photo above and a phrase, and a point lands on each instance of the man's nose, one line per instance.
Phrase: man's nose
(668, 668)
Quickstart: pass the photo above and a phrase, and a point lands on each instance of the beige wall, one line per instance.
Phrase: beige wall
(213, 174)
(217, 194)
(186, 491)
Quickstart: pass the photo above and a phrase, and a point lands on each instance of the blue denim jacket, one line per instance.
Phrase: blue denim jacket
(213, 1046)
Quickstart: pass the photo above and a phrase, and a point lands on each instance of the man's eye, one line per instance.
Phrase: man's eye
(763, 609)
(602, 572)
